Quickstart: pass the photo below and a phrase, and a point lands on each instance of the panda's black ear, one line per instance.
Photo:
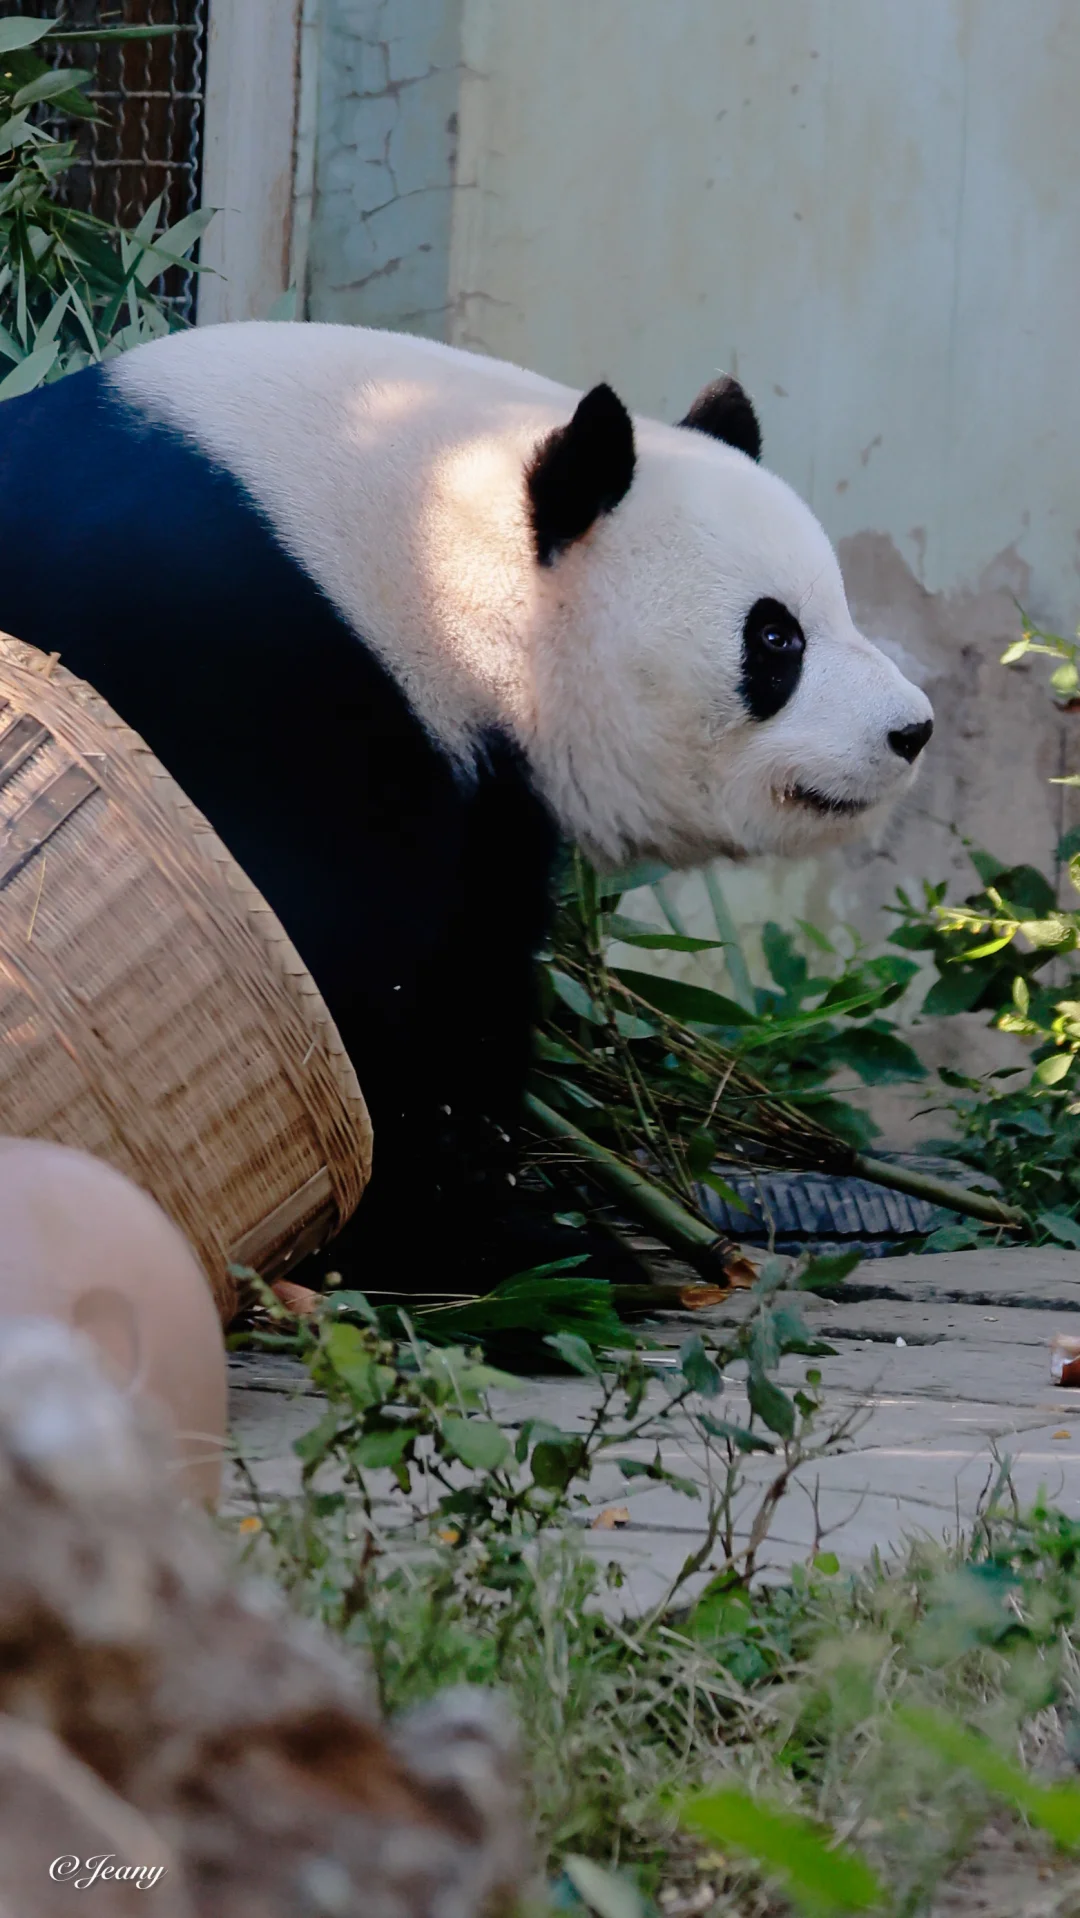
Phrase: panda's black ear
(580, 471)
(725, 412)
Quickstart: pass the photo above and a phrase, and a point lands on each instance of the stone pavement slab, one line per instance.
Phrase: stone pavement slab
(969, 1385)
(1046, 1278)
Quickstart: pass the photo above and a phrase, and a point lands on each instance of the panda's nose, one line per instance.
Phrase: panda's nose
(908, 741)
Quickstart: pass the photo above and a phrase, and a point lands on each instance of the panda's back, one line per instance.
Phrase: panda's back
(390, 468)
(154, 575)
(325, 355)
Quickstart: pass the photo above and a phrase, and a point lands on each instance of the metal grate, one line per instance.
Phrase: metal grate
(151, 95)
(820, 1212)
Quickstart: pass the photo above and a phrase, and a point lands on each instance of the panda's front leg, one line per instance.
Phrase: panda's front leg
(500, 913)
(476, 1007)
(438, 1020)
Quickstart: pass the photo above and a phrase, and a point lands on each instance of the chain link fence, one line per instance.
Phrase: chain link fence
(151, 96)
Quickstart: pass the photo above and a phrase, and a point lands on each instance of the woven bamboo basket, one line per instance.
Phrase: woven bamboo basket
(152, 1010)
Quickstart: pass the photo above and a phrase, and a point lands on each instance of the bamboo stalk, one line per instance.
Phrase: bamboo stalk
(945, 1192)
(678, 1229)
(673, 1225)
(817, 1147)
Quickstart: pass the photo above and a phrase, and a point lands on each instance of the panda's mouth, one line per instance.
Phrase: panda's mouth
(826, 805)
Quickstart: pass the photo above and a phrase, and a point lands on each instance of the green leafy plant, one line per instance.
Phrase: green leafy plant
(643, 1083)
(541, 1303)
(437, 1530)
(1008, 950)
(794, 1034)
(839, 1741)
(990, 951)
(1035, 641)
(1021, 1125)
(73, 288)
(420, 1412)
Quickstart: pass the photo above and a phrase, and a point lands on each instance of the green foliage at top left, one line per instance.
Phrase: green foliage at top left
(73, 288)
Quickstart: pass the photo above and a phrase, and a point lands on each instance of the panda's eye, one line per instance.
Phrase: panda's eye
(772, 657)
(779, 639)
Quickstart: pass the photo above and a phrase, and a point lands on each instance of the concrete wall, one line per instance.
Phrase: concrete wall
(386, 150)
(868, 209)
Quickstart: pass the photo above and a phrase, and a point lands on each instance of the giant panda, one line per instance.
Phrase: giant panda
(398, 618)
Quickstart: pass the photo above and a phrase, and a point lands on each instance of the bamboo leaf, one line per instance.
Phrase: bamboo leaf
(48, 85)
(573, 994)
(172, 248)
(630, 934)
(66, 37)
(696, 1004)
(50, 327)
(22, 33)
(29, 373)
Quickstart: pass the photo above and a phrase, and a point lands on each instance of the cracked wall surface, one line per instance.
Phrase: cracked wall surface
(385, 163)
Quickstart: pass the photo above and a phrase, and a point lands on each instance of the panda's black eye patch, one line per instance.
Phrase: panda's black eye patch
(772, 656)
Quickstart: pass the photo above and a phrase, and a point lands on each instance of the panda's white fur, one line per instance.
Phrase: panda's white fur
(393, 470)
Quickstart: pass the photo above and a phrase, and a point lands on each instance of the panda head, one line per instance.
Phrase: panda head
(699, 686)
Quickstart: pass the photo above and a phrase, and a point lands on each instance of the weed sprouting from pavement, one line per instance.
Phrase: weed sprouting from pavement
(741, 1746)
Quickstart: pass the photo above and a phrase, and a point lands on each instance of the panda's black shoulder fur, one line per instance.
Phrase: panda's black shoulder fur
(415, 895)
